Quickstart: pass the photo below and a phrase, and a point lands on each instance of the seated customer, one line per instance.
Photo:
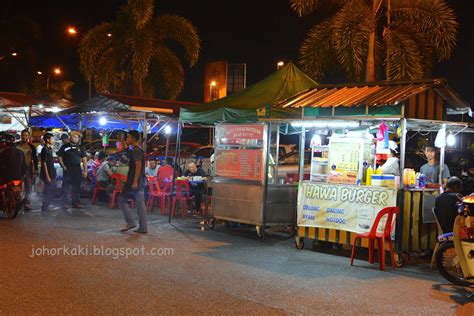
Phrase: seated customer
(196, 188)
(105, 172)
(152, 169)
(446, 208)
(122, 167)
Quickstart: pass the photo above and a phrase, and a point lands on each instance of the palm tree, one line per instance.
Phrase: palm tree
(363, 37)
(132, 54)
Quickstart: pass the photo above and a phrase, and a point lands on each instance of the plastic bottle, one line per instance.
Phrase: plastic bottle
(370, 172)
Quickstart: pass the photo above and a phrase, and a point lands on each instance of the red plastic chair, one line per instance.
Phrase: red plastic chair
(118, 179)
(156, 192)
(97, 189)
(182, 195)
(373, 235)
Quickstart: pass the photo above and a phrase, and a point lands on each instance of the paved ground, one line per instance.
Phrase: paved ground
(214, 272)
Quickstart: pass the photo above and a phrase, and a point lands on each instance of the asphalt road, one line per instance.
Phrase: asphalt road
(184, 270)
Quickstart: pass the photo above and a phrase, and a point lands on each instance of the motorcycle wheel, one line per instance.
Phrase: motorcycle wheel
(10, 203)
(448, 265)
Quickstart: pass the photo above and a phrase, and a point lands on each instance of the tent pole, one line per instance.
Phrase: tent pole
(178, 145)
(302, 143)
(403, 146)
(158, 131)
(441, 161)
(265, 183)
(62, 122)
(16, 118)
(145, 133)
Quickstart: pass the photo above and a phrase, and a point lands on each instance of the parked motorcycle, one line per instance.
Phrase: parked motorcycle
(11, 198)
(455, 257)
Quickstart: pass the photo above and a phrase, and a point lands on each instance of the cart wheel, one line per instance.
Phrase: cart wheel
(291, 231)
(399, 262)
(211, 223)
(299, 243)
(259, 231)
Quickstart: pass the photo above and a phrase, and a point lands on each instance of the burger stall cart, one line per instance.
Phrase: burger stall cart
(245, 186)
(338, 200)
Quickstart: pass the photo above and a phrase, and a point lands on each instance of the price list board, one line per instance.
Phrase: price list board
(344, 162)
(244, 164)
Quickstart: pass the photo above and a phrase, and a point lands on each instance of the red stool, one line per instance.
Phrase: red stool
(97, 189)
(155, 192)
(182, 195)
(373, 235)
(118, 179)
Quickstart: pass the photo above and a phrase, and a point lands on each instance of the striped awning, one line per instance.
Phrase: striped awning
(376, 95)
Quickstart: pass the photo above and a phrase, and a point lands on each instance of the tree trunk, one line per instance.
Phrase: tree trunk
(370, 70)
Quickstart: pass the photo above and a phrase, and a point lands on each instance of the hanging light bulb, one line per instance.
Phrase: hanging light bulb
(450, 140)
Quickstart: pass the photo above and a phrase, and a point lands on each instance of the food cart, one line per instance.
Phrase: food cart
(245, 186)
(335, 207)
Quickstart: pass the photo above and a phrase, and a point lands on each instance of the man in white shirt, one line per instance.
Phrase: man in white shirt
(152, 169)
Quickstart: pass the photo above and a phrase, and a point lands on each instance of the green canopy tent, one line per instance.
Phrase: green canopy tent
(255, 101)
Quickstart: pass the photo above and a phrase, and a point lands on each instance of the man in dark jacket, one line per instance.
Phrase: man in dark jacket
(31, 163)
(446, 208)
(48, 172)
(71, 155)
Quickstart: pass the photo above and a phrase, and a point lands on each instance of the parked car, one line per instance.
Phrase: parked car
(186, 149)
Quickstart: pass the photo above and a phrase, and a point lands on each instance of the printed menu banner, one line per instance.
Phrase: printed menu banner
(343, 162)
(245, 164)
(342, 207)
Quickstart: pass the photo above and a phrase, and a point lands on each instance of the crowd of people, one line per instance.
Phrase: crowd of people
(24, 161)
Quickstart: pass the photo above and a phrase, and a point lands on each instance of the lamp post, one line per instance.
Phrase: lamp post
(56, 71)
(280, 64)
(211, 85)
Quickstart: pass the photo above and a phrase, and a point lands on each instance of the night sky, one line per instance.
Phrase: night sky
(258, 32)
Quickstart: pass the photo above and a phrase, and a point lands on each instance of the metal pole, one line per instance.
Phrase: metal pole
(167, 145)
(441, 161)
(265, 188)
(178, 145)
(90, 89)
(145, 134)
(403, 146)
(301, 161)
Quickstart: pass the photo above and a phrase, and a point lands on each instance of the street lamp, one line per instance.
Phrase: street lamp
(39, 72)
(211, 85)
(109, 34)
(280, 64)
(56, 71)
(14, 54)
(72, 31)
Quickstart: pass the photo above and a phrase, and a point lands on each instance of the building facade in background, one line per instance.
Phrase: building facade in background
(222, 79)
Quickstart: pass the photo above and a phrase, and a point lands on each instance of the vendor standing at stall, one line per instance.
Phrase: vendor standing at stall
(391, 166)
(70, 157)
(431, 168)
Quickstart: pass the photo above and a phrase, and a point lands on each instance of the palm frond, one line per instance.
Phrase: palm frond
(142, 11)
(434, 18)
(403, 57)
(305, 7)
(92, 46)
(180, 30)
(142, 53)
(316, 52)
(168, 73)
(351, 29)
(105, 72)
